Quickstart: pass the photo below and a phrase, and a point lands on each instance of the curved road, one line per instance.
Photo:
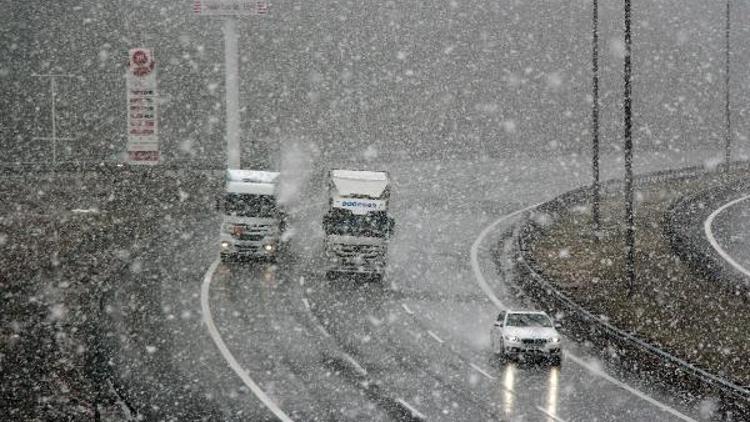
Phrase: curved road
(727, 230)
(417, 346)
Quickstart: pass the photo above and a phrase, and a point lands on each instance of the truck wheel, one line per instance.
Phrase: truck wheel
(225, 258)
(377, 278)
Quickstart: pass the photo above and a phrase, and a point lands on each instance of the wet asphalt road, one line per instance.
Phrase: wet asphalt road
(423, 336)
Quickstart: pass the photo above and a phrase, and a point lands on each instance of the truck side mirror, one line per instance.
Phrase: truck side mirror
(557, 324)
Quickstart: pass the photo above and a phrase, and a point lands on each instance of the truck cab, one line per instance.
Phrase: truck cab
(357, 225)
(253, 221)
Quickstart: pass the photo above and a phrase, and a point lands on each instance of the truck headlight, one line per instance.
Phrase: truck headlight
(512, 339)
(225, 245)
(268, 248)
(554, 339)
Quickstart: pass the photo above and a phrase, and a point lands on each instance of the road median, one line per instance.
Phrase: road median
(676, 325)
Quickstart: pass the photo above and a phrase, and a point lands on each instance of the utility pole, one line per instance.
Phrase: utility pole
(595, 120)
(627, 102)
(53, 111)
(727, 110)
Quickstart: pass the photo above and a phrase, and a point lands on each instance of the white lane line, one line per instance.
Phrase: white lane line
(481, 371)
(306, 303)
(414, 412)
(621, 384)
(475, 255)
(433, 335)
(711, 239)
(406, 308)
(322, 330)
(236, 367)
(479, 277)
(357, 367)
(550, 415)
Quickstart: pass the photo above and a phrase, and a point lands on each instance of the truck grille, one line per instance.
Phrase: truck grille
(253, 232)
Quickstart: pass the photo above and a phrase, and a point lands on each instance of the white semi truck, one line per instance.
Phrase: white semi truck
(253, 221)
(357, 225)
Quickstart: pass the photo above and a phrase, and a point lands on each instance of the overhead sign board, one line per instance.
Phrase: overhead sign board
(143, 129)
(230, 7)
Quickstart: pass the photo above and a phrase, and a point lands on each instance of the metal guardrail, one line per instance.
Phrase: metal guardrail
(734, 398)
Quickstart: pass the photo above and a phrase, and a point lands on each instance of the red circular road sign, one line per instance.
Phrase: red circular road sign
(141, 63)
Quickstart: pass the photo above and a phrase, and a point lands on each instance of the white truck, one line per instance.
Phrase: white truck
(357, 225)
(253, 221)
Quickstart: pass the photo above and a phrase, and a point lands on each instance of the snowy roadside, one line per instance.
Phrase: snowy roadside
(60, 243)
(668, 308)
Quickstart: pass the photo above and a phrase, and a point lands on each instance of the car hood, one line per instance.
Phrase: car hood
(530, 332)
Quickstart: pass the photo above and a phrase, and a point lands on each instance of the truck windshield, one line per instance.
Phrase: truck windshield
(249, 205)
(347, 224)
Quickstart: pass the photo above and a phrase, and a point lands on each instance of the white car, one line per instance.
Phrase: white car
(526, 334)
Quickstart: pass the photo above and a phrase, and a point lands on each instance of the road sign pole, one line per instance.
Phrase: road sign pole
(231, 65)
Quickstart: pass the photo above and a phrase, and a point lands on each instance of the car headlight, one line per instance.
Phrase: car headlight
(225, 245)
(513, 339)
(269, 247)
(554, 339)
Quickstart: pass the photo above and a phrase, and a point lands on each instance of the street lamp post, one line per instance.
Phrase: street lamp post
(595, 120)
(629, 212)
(727, 110)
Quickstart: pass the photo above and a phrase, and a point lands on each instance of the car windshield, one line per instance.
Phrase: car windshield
(528, 320)
(249, 205)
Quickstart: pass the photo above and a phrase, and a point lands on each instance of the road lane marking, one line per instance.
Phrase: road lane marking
(712, 240)
(307, 304)
(406, 308)
(621, 384)
(433, 335)
(481, 371)
(357, 367)
(236, 367)
(479, 277)
(414, 412)
(550, 415)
